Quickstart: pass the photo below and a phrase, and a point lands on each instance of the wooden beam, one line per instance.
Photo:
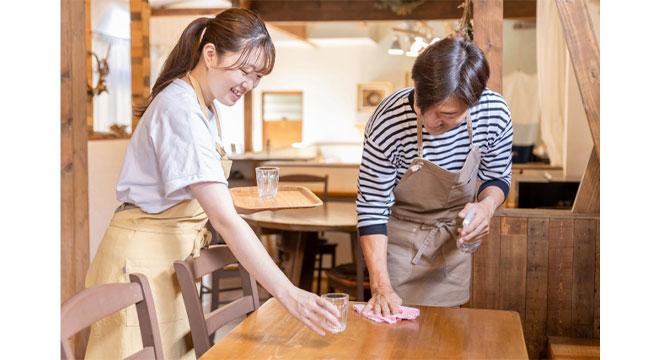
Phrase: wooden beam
(140, 54)
(297, 31)
(353, 10)
(186, 12)
(74, 242)
(585, 55)
(587, 199)
(487, 26)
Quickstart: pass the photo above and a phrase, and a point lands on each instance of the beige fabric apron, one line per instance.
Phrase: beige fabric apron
(139, 242)
(424, 264)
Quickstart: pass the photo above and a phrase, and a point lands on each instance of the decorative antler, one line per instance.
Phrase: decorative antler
(103, 69)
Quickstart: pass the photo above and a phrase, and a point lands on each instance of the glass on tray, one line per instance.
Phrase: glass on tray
(267, 180)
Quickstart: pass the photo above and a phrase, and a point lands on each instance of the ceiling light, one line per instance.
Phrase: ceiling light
(395, 49)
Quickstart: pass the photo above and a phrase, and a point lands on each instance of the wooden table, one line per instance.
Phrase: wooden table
(438, 333)
(299, 230)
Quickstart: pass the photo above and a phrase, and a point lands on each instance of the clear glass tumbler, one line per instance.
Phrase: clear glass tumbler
(267, 180)
(340, 300)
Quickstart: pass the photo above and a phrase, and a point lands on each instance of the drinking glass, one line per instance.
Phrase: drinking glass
(340, 300)
(267, 180)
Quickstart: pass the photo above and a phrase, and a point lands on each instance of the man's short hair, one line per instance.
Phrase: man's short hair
(450, 67)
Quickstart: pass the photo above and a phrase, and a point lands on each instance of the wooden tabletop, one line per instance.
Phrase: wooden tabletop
(438, 333)
(332, 216)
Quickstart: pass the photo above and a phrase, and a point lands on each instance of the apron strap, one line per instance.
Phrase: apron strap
(216, 114)
(469, 126)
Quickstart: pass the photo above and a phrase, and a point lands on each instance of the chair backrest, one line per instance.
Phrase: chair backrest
(95, 303)
(304, 178)
(188, 271)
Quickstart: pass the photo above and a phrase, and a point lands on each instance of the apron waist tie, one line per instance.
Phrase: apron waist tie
(202, 240)
(429, 237)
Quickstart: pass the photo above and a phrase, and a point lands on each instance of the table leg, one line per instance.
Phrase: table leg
(359, 266)
(310, 248)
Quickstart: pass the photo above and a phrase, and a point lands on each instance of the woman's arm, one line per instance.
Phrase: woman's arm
(215, 199)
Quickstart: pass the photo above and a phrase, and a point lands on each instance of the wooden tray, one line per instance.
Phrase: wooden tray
(247, 200)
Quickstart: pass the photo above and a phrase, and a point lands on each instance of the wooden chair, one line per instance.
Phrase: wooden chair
(573, 348)
(344, 278)
(95, 303)
(325, 247)
(188, 272)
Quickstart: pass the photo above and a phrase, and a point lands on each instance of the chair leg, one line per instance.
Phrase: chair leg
(215, 290)
(318, 274)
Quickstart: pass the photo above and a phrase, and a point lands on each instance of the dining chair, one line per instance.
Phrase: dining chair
(344, 278)
(95, 303)
(325, 247)
(189, 271)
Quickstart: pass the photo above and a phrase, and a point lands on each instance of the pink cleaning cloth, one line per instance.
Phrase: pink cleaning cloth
(407, 313)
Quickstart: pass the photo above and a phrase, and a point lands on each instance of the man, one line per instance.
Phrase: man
(431, 155)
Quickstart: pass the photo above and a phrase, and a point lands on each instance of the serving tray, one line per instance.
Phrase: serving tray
(247, 200)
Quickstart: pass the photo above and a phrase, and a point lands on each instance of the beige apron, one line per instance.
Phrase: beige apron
(139, 242)
(424, 264)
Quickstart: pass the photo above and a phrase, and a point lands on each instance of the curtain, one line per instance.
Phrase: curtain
(552, 85)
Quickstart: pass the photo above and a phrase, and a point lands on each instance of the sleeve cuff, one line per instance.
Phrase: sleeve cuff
(373, 229)
(496, 182)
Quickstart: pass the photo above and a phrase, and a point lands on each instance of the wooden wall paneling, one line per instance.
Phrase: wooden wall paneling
(587, 199)
(140, 53)
(536, 301)
(513, 264)
(560, 277)
(247, 121)
(584, 271)
(597, 284)
(585, 56)
(74, 206)
(486, 270)
(488, 22)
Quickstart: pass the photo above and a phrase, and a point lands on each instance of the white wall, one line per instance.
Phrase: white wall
(328, 78)
(104, 162)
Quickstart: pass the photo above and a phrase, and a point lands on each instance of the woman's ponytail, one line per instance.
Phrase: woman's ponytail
(182, 58)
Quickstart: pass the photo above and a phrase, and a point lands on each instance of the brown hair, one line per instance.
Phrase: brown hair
(232, 30)
(450, 67)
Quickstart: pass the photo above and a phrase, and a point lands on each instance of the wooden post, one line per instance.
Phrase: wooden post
(140, 62)
(488, 21)
(88, 64)
(247, 121)
(585, 55)
(74, 206)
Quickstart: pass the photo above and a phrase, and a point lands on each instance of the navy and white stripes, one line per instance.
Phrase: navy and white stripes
(390, 145)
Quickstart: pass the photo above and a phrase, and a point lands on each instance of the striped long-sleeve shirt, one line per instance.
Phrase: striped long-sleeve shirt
(390, 145)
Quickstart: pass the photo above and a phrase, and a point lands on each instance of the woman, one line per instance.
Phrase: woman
(171, 183)
(432, 155)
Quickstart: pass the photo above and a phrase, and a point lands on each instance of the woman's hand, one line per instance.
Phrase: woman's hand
(384, 302)
(479, 227)
(316, 313)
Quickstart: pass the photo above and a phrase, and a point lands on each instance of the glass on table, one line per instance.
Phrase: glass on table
(267, 179)
(339, 300)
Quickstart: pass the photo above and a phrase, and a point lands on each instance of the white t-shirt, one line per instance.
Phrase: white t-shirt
(172, 147)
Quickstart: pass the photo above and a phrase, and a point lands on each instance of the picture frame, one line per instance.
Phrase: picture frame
(371, 94)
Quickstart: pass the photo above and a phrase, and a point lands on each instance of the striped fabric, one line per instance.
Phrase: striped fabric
(390, 145)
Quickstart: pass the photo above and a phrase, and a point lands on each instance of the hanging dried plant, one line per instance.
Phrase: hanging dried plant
(463, 28)
(399, 7)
